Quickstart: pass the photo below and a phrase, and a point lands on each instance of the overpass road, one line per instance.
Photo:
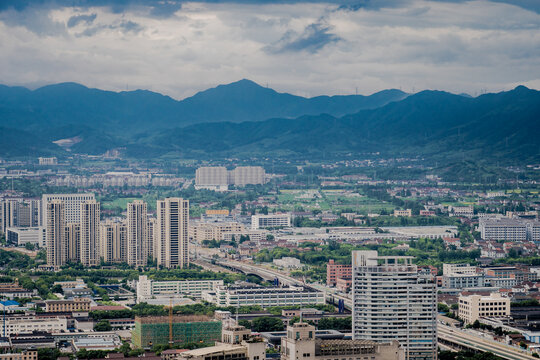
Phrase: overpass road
(453, 336)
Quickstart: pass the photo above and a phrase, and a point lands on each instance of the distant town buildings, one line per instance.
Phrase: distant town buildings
(219, 178)
(509, 229)
(48, 161)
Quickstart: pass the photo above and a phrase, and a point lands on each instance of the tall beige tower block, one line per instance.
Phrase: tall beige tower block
(172, 226)
(57, 249)
(90, 214)
(137, 233)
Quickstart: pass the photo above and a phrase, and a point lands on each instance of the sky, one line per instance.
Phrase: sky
(307, 48)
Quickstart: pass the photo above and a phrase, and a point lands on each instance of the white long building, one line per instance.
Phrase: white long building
(148, 288)
(509, 229)
(271, 220)
(393, 301)
(244, 295)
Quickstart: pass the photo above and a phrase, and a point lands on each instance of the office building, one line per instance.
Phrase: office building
(473, 307)
(57, 248)
(301, 343)
(137, 233)
(392, 300)
(154, 330)
(148, 288)
(250, 294)
(211, 178)
(272, 220)
(463, 281)
(172, 232)
(89, 243)
(113, 244)
(73, 241)
(72, 204)
(336, 271)
(21, 236)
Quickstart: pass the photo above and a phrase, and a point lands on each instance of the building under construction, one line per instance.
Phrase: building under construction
(163, 330)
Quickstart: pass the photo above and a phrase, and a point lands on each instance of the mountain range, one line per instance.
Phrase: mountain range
(243, 118)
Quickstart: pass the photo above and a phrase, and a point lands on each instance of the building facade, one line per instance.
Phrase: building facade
(89, 244)
(72, 204)
(473, 307)
(148, 288)
(57, 249)
(172, 233)
(272, 220)
(335, 271)
(302, 344)
(113, 243)
(137, 233)
(392, 300)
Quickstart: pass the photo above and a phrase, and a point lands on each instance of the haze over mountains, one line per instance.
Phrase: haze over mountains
(243, 118)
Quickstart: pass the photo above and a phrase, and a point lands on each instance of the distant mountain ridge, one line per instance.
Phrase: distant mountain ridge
(137, 111)
(244, 118)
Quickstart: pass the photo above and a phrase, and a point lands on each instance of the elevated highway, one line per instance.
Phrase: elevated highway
(458, 339)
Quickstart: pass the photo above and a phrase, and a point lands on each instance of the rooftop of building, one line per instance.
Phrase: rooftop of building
(175, 319)
(212, 350)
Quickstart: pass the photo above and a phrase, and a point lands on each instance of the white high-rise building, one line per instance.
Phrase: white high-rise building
(393, 301)
(72, 204)
(18, 212)
(89, 247)
(172, 233)
(137, 233)
(57, 249)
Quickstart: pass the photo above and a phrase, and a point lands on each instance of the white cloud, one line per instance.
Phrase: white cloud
(303, 48)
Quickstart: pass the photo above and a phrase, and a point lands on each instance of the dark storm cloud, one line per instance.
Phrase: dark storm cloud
(78, 19)
(314, 37)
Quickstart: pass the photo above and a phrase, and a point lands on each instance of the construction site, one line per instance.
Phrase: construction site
(175, 330)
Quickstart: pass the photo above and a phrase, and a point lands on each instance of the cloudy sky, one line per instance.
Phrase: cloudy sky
(303, 47)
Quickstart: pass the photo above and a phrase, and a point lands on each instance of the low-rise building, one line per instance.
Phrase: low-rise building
(473, 307)
(248, 294)
(288, 262)
(272, 220)
(27, 354)
(21, 236)
(335, 271)
(301, 344)
(26, 324)
(406, 212)
(76, 304)
(148, 288)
